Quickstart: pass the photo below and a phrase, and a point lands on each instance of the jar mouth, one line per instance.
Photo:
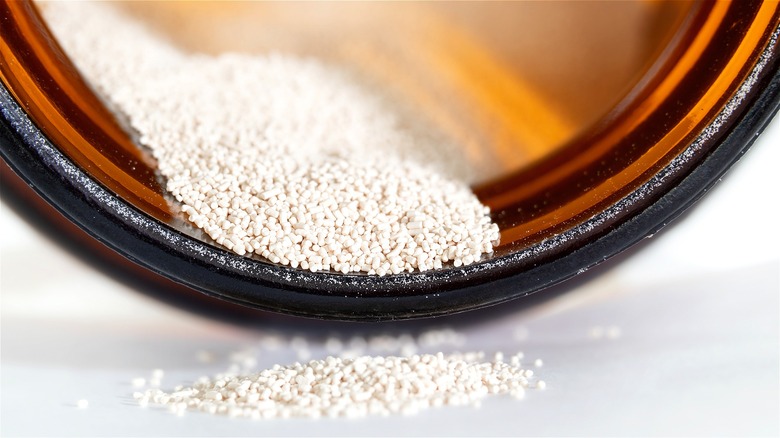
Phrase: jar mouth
(695, 110)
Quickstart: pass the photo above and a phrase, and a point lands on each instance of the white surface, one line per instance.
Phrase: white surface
(698, 309)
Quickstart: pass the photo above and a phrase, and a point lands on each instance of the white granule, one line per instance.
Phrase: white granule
(156, 379)
(335, 387)
(283, 157)
(596, 332)
(520, 333)
(82, 404)
(205, 356)
(611, 332)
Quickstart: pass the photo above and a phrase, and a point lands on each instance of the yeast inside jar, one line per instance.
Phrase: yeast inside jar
(514, 82)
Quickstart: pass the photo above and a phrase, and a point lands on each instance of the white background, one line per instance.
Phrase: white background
(697, 307)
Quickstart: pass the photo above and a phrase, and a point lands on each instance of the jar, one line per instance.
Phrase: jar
(586, 171)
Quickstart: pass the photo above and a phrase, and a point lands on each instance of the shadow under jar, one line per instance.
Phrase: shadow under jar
(604, 121)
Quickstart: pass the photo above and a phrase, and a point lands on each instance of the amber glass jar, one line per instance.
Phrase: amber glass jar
(602, 131)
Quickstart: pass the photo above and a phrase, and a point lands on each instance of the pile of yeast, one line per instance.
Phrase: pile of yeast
(280, 156)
